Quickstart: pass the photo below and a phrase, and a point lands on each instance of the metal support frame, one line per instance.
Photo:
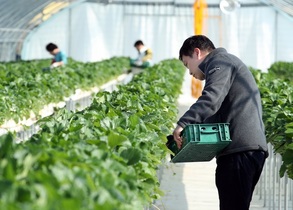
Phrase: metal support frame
(275, 192)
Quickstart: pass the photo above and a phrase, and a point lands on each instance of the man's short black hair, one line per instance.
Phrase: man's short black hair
(138, 42)
(50, 47)
(197, 41)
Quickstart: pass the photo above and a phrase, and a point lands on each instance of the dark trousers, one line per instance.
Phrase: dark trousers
(236, 176)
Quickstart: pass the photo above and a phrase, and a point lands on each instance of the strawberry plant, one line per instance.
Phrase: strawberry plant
(277, 96)
(103, 157)
(25, 88)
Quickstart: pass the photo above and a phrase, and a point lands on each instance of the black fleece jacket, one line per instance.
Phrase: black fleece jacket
(230, 95)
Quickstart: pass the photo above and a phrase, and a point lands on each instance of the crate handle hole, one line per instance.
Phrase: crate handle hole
(213, 128)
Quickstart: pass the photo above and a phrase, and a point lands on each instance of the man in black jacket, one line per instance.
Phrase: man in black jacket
(230, 95)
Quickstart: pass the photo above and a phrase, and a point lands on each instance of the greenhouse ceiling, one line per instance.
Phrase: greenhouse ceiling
(22, 15)
(19, 17)
(285, 6)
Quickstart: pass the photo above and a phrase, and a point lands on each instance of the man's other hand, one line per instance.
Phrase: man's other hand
(177, 137)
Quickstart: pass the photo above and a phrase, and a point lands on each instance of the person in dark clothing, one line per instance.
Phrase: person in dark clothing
(230, 95)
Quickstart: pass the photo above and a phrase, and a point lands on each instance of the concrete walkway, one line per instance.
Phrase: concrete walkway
(190, 186)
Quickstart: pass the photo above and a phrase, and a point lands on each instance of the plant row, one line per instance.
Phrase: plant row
(277, 98)
(25, 87)
(104, 157)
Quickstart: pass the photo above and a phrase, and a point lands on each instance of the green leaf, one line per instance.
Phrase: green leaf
(134, 120)
(289, 125)
(289, 132)
(116, 139)
(132, 155)
(288, 156)
(5, 185)
(5, 145)
(282, 170)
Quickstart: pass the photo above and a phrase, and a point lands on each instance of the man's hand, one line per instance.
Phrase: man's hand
(177, 137)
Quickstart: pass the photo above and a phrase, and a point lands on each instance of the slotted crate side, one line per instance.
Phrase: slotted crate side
(206, 133)
(202, 142)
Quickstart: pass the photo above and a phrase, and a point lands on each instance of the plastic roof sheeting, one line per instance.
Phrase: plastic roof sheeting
(285, 6)
(19, 17)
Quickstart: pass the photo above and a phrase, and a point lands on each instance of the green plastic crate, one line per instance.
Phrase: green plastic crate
(202, 142)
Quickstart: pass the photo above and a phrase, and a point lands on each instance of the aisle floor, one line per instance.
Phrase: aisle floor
(191, 186)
